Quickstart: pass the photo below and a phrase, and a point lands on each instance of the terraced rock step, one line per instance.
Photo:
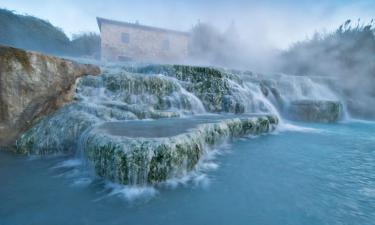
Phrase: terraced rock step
(316, 110)
(117, 155)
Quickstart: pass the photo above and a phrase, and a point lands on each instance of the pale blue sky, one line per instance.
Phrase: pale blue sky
(271, 22)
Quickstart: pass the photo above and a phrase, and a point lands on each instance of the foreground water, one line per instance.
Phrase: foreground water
(323, 175)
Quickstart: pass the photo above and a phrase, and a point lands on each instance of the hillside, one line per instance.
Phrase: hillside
(31, 33)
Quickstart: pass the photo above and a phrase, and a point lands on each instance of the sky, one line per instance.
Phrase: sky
(266, 23)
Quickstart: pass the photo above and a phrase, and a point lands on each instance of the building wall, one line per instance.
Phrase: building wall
(143, 44)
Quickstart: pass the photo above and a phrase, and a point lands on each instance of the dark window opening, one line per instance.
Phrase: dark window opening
(125, 38)
(165, 45)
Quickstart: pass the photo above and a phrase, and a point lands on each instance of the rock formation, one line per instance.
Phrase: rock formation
(315, 110)
(247, 104)
(121, 95)
(216, 88)
(33, 85)
(142, 161)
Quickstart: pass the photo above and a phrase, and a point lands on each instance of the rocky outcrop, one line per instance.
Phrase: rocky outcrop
(315, 110)
(120, 95)
(33, 85)
(148, 160)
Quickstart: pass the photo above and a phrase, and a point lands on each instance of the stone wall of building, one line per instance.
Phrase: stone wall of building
(122, 43)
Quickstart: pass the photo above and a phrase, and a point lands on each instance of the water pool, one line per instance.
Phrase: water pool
(320, 176)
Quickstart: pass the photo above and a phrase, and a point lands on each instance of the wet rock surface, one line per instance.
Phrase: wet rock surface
(111, 123)
(213, 86)
(153, 159)
(33, 85)
(315, 111)
(115, 95)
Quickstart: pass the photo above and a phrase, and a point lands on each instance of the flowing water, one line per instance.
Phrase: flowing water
(321, 175)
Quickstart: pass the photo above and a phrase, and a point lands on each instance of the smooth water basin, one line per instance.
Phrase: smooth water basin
(162, 127)
(149, 129)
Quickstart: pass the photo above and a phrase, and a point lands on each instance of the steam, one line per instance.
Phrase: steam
(210, 46)
(226, 48)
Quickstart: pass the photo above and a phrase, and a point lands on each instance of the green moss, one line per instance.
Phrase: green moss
(160, 165)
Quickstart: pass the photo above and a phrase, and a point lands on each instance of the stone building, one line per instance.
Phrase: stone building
(122, 41)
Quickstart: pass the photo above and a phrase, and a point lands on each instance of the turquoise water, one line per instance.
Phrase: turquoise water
(320, 176)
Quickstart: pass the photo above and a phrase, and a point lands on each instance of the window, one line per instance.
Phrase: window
(125, 38)
(165, 45)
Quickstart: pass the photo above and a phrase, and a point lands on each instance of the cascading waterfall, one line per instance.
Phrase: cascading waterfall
(155, 92)
(250, 95)
(286, 91)
(135, 90)
(110, 97)
(197, 105)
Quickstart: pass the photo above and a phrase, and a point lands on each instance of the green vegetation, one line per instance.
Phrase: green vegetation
(31, 33)
(348, 49)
